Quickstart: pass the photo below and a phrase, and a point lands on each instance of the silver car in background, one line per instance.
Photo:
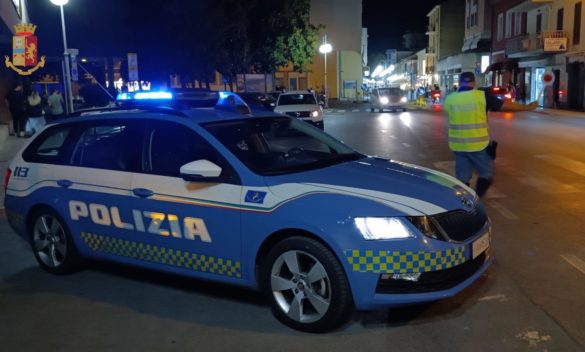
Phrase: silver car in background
(389, 98)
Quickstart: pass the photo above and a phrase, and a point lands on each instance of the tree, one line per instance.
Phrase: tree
(281, 33)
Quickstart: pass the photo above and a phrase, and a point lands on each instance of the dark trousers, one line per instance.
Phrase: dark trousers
(18, 122)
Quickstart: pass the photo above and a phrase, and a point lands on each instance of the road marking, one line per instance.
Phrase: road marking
(533, 337)
(406, 145)
(503, 210)
(355, 110)
(575, 261)
(548, 184)
(565, 163)
(340, 110)
(500, 297)
(393, 137)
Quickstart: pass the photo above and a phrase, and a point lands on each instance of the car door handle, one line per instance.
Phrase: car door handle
(142, 192)
(65, 183)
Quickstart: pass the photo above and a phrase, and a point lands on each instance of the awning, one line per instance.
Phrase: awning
(506, 65)
(474, 41)
(467, 44)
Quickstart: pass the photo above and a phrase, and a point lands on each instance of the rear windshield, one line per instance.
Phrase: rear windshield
(297, 99)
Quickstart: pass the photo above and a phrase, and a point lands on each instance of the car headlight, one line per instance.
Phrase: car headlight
(383, 228)
(403, 100)
(315, 113)
(384, 100)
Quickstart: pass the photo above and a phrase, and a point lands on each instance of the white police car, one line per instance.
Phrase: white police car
(265, 202)
(301, 105)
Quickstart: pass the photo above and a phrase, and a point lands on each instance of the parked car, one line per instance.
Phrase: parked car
(302, 105)
(390, 98)
(264, 101)
(268, 203)
(500, 92)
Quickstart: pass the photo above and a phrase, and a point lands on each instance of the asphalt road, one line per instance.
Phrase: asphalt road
(531, 299)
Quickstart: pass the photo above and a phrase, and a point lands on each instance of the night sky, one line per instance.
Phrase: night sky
(387, 20)
(115, 27)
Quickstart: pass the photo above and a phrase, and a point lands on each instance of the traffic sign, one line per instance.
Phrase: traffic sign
(548, 78)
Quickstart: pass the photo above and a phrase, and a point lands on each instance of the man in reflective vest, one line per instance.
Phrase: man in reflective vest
(468, 130)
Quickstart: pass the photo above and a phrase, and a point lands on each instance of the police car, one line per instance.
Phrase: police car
(268, 202)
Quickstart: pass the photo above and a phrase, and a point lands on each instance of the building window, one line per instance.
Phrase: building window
(518, 23)
(560, 18)
(468, 14)
(500, 33)
(509, 24)
(577, 24)
(539, 23)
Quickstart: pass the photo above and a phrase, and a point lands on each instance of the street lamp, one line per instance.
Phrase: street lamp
(324, 49)
(66, 76)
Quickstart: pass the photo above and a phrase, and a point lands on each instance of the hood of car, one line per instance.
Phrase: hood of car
(292, 108)
(411, 189)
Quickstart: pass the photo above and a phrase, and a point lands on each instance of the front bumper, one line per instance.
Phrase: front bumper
(376, 275)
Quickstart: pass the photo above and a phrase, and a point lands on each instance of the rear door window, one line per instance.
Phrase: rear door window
(110, 145)
(52, 146)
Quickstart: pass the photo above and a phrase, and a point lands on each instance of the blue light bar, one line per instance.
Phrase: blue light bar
(145, 96)
(153, 95)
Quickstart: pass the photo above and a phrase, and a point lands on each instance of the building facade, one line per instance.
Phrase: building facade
(533, 37)
(10, 14)
(477, 39)
(343, 26)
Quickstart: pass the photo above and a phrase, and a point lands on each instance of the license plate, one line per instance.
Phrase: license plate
(480, 245)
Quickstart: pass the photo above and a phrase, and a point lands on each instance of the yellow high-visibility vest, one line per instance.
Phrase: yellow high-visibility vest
(468, 128)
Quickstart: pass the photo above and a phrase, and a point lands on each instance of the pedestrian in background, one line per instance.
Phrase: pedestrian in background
(17, 106)
(512, 90)
(34, 109)
(55, 103)
(468, 130)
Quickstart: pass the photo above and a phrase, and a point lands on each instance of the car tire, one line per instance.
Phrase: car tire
(380, 110)
(319, 303)
(52, 243)
(372, 109)
(404, 109)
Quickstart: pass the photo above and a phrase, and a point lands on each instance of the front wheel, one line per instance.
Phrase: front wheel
(52, 244)
(306, 285)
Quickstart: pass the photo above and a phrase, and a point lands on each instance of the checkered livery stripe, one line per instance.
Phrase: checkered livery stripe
(162, 255)
(395, 262)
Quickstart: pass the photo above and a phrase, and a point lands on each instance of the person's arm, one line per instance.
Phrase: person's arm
(495, 104)
(511, 106)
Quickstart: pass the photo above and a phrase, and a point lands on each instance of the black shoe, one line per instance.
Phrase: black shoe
(482, 186)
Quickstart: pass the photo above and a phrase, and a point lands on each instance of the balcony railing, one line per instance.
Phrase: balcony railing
(535, 43)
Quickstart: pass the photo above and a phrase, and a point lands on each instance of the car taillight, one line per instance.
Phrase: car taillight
(436, 95)
(496, 89)
(508, 96)
(7, 178)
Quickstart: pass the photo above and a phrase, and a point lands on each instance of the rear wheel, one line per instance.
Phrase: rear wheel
(52, 244)
(306, 285)
(380, 110)
(372, 109)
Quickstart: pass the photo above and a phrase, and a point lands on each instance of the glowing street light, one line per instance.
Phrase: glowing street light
(324, 49)
(67, 76)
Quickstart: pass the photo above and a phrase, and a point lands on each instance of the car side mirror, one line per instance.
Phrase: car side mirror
(200, 171)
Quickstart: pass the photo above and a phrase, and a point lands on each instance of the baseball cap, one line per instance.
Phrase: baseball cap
(467, 77)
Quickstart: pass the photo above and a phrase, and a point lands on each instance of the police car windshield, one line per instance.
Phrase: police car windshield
(297, 99)
(280, 145)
